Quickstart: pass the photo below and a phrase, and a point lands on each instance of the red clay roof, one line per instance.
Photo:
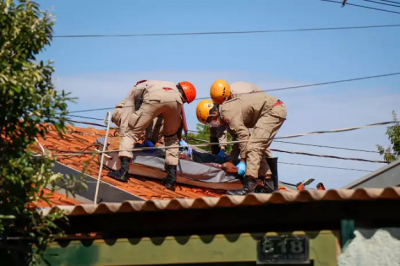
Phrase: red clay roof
(83, 139)
(56, 199)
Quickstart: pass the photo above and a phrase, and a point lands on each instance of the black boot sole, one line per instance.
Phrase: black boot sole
(124, 180)
(170, 187)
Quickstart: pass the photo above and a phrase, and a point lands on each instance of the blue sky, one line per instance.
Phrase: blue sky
(101, 71)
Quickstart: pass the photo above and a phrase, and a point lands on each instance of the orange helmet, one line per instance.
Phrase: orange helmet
(189, 90)
(203, 110)
(220, 91)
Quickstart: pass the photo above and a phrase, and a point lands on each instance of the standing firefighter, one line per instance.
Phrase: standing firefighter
(158, 98)
(130, 104)
(262, 113)
(221, 91)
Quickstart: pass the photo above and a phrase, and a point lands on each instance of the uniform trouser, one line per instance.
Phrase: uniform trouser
(264, 169)
(267, 126)
(140, 120)
(214, 139)
(154, 131)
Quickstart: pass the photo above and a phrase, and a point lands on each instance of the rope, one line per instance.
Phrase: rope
(241, 141)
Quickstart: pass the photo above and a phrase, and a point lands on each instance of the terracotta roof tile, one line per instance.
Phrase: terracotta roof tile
(82, 139)
(56, 199)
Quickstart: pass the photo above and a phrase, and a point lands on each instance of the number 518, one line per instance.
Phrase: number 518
(296, 246)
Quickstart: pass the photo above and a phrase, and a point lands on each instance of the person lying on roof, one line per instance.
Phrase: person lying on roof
(153, 99)
(264, 113)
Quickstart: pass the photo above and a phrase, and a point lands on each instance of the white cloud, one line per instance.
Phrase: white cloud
(307, 111)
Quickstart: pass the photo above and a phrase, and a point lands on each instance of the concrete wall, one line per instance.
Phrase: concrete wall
(373, 247)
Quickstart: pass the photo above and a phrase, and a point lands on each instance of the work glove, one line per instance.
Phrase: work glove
(182, 143)
(241, 168)
(220, 157)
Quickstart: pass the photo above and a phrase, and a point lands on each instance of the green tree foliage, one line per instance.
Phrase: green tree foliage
(27, 100)
(203, 133)
(392, 152)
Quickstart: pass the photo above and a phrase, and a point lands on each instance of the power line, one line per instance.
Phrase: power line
(322, 166)
(348, 4)
(334, 82)
(390, 1)
(324, 146)
(316, 155)
(88, 123)
(330, 156)
(223, 32)
(86, 117)
(277, 89)
(305, 144)
(380, 3)
(237, 141)
(280, 141)
(266, 139)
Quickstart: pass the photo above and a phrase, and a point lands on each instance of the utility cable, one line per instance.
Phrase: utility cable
(380, 3)
(367, 7)
(308, 144)
(330, 156)
(286, 142)
(241, 141)
(277, 89)
(86, 117)
(223, 32)
(390, 1)
(329, 167)
(324, 146)
(317, 155)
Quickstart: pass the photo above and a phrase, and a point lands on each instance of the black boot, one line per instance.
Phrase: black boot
(273, 165)
(268, 186)
(248, 187)
(170, 180)
(122, 173)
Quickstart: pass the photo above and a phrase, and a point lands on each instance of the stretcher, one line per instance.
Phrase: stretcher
(198, 170)
(151, 165)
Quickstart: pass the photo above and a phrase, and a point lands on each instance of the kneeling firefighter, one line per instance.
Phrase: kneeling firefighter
(157, 98)
(263, 113)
